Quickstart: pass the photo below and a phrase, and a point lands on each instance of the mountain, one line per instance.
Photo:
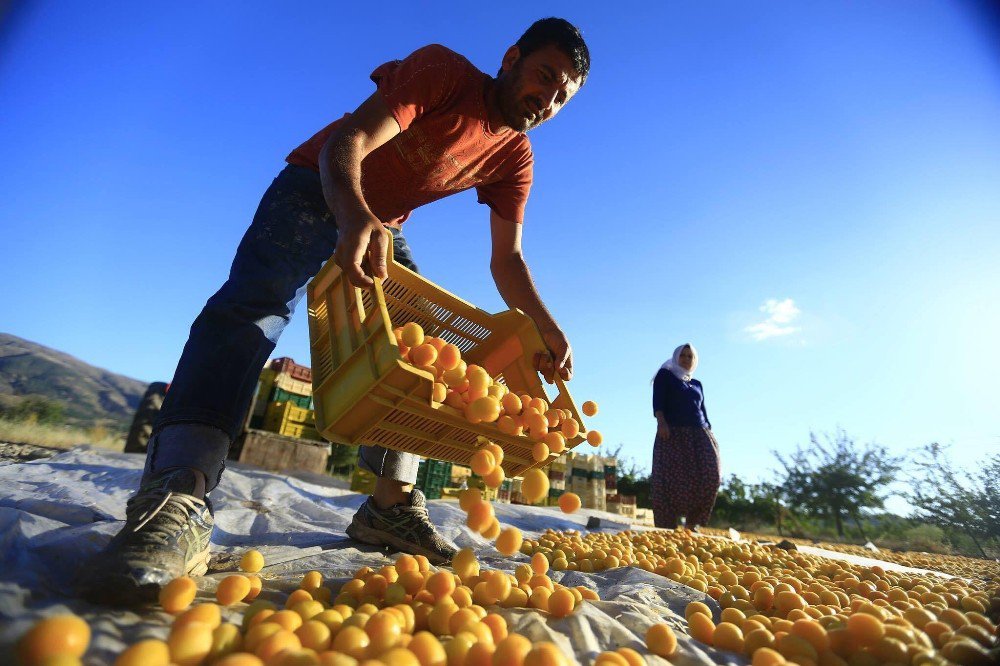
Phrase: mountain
(89, 396)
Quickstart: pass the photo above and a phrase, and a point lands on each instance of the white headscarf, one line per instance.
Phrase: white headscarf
(674, 364)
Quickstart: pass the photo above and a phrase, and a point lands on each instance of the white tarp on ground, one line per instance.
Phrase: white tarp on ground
(56, 513)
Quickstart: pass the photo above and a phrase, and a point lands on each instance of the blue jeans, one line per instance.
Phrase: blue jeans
(292, 235)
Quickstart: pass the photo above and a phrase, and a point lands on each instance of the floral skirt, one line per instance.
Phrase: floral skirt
(686, 477)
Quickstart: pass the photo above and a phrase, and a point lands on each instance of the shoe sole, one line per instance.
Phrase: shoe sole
(374, 537)
(199, 564)
(122, 591)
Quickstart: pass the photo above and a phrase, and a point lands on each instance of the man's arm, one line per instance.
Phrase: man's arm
(513, 280)
(360, 233)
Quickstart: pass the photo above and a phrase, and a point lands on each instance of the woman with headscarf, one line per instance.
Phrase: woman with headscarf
(686, 469)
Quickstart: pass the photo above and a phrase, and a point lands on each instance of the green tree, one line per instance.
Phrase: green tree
(837, 478)
(36, 409)
(744, 504)
(969, 502)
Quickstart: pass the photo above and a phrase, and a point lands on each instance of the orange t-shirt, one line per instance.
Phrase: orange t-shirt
(445, 144)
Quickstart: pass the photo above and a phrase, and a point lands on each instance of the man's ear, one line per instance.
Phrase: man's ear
(512, 55)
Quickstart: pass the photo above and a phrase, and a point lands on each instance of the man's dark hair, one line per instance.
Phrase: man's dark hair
(564, 36)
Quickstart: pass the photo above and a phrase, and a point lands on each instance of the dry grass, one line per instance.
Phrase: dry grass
(61, 437)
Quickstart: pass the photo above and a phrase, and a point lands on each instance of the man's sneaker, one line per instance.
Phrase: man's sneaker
(405, 528)
(166, 535)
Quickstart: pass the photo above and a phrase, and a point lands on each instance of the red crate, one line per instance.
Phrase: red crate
(290, 367)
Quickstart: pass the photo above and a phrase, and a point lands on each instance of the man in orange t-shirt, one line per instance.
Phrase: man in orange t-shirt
(436, 125)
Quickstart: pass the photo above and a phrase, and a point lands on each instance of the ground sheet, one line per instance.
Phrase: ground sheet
(56, 513)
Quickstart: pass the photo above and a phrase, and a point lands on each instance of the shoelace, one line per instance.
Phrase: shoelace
(422, 517)
(173, 509)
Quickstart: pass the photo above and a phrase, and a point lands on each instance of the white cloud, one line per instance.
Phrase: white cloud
(779, 316)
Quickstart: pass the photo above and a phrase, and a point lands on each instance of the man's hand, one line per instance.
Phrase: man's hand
(362, 247)
(362, 242)
(514, 282)
(559, 360)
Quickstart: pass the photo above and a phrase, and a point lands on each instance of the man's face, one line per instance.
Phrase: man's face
(534, 88)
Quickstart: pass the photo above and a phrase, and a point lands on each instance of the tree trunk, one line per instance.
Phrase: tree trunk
(978, 545)
(840, 524)
(857, 522)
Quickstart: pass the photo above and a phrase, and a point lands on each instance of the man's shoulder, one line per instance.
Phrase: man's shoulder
(441, 53)
(521, 147)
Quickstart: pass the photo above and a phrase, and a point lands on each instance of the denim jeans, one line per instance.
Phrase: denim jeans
(292, 235)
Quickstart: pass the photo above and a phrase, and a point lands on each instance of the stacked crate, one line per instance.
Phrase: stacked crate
(577, 474)
(476, 481)
(644, 517)
(283, 403)
(611, 474)
(503, 492)
(432, 477)
(515, 492)
(622, 504)
(557, 473)
(557, 480)
(287, 418)
(596, 497)
(587, 480)
(286, 366)
(460, 473)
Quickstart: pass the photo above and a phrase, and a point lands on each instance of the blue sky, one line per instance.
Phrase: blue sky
(807, 192)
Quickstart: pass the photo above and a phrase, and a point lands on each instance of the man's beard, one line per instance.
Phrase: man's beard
(515, 111)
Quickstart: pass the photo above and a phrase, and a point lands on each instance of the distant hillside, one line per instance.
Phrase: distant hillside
(89, 395)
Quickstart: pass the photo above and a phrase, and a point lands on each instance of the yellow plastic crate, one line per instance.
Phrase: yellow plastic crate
(627, 510)
(298, 430)
(280, 414)
(459, 472)
(365, 393)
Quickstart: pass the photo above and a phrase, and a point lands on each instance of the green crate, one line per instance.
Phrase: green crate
(434, 472)
(281, 395)
(432, 477)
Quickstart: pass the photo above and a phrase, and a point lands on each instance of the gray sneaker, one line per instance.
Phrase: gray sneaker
(166, 535)
(406, 528)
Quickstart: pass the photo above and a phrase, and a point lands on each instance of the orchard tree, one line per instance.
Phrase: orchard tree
(969, 501)
(837, 478)
(745, 504)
